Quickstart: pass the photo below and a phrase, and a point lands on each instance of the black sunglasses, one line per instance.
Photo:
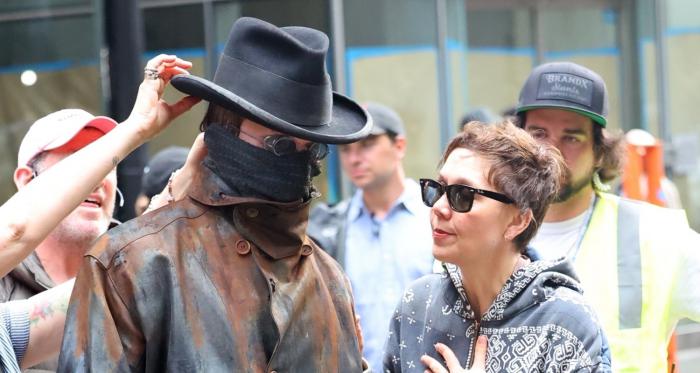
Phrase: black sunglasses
(460, 197)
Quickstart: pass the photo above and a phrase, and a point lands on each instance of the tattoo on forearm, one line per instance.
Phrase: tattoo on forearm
(115, 161)
(46, 310)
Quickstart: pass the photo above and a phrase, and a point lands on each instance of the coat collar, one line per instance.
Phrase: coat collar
(410, 200)
(277, 228)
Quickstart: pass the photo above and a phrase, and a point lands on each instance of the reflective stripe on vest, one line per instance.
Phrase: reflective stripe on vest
(629, 265)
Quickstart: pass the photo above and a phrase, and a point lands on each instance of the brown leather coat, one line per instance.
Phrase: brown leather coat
(212, 283)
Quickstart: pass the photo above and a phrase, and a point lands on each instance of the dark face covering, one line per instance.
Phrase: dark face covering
(255, 172)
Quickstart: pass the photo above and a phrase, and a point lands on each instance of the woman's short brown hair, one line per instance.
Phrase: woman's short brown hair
(528, 172)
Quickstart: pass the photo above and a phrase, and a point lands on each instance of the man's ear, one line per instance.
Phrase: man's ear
(23, 175)
(400, 145)
(518, 224)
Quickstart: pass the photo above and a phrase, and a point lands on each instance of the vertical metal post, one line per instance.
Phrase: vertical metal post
(101, 47)
(630, 66)
(338, 41)
(210, 56)
(661, 81)
(446, 129)
(536, 33)
(125, 40)
(338, 184)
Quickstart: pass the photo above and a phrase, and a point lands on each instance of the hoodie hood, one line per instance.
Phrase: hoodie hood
(539, 321)
(532, 284)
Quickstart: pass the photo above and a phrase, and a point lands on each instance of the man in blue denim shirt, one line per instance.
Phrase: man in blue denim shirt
(381, 236)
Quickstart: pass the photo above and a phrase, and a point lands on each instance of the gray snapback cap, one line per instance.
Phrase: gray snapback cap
(385, 119)
(567, 86)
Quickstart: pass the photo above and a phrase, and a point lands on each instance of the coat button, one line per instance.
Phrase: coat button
(251, 212)
(242, 247)
(306, 250)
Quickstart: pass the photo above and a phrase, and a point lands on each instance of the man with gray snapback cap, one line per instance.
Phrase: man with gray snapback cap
(226, 279)
(381, 236)
(639, 264)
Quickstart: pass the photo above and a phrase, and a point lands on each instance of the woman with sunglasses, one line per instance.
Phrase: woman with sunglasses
(494, 186)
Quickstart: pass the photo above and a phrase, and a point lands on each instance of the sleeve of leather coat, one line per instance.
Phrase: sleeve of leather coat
(100, 335)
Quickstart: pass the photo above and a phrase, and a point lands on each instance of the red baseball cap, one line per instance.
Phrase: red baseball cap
(56, 130)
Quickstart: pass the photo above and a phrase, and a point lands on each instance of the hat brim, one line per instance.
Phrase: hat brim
(102, 124)
(595, 117)
(349, 122)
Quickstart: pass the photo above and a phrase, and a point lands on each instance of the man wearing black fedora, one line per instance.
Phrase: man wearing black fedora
(226, 279)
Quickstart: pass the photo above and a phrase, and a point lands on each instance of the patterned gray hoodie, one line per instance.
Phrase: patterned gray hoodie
(539, 322)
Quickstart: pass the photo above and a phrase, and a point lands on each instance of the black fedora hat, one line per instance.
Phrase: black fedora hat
(277, 77)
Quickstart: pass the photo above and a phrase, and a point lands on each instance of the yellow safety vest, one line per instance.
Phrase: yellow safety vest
(627, 265)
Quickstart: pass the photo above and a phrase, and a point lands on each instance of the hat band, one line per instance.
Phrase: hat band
(295, 102)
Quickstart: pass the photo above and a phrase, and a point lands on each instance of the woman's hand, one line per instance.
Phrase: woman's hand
(180, 180)
(150, 112)
(451, 360)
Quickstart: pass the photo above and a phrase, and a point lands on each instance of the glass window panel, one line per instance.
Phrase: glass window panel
(23, 5)
(571, 29)
(389, 22)
(60, 53)
(505, 28)
(47, 40)
(186, 41)
(501, 54)
(587, 36)
(682, 36)
(457, 62)
(160, 34)
(683, 13)
(391, 58)
(309, 13)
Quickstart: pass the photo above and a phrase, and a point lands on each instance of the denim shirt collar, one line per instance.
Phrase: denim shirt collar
(409, 199)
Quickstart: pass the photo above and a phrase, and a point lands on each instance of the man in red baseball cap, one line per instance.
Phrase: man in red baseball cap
(58, 257)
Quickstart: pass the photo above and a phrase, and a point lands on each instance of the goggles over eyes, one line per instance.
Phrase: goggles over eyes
(460, 197)
(280, 145)
(284, 145)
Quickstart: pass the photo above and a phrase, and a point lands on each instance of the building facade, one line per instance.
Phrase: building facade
(431, 60)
